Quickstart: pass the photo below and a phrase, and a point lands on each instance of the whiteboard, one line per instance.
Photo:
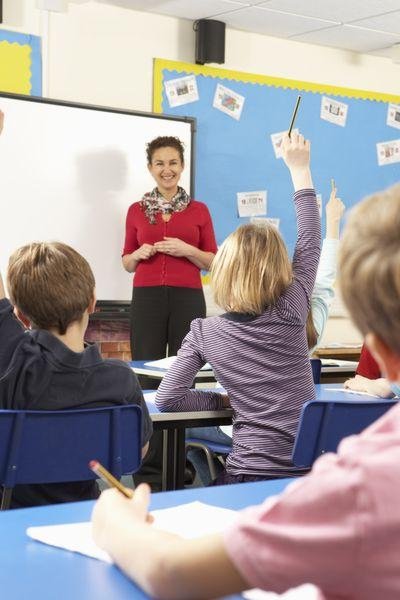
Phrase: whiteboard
(69, 172)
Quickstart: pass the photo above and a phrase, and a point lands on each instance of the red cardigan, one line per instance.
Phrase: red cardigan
(367, 365)
(192, 225)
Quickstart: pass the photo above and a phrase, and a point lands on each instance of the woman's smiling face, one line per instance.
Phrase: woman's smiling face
(166, 167)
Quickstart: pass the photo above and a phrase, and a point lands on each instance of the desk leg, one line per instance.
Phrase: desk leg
(180, 458)
(174, 459)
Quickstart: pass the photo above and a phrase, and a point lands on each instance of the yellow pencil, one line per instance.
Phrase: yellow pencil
(106, 476)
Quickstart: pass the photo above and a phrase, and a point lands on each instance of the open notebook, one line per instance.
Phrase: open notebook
(187, 520)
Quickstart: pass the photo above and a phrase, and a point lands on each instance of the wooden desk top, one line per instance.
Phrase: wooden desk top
(339, 353)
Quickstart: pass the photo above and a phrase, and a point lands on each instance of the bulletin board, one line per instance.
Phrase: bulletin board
(20, 63)
(235, 153)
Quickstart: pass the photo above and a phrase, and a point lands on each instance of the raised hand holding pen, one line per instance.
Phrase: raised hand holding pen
(296, 154)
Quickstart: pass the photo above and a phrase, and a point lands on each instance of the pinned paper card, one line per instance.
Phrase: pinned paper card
(251, 203)
(266, 221)
(334, 111)
(276, 139)
(393, 116)
(228, 101)
(181, 91)
(388, 152)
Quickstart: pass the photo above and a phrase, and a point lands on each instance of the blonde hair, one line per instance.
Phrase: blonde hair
(369, 263)
(251, 269)
(50, 283)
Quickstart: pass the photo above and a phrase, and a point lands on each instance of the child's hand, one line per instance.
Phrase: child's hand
(334, 212)
(112, 510)
(296, 151)
(296, 154)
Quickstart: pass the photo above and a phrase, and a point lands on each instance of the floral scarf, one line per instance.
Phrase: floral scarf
(153, 202)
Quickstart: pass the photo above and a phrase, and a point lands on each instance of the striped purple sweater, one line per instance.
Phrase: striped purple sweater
(262, 362)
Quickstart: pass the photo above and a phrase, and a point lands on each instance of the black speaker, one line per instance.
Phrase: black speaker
(210, 41)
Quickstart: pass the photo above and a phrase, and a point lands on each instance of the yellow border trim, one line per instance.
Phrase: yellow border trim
(160, 64)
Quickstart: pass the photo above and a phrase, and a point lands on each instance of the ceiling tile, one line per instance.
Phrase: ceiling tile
(342, 11)
(389, 22)
(273, 23)
(349, 37)
(185, 9)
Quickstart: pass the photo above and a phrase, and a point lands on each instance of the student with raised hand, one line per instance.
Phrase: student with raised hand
(338, 527)
(323, 292)
(321, 300)
(258, 348)
(44, 361)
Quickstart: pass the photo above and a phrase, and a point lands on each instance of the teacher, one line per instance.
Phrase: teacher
(169, 239)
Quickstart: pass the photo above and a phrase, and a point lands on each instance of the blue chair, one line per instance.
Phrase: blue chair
(56, 446)
(212, 450)
(316, 369)
(323, 424)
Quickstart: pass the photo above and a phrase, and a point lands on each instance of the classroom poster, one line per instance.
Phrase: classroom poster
(20, 63)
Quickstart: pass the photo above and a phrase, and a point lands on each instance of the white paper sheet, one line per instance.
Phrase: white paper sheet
(349, 392)
(187, 520)
(166, 363)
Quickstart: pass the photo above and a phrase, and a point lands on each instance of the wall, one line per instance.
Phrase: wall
(103, 54)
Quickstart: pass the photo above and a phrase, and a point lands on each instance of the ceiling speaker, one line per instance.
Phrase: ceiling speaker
(210, 41)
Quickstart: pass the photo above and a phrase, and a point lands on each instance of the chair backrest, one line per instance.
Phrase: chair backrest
(56, 446)
(323, 424)
(316, 369)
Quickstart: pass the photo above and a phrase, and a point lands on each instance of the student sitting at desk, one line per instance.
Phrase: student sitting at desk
(369, 378)
(338, 527)
(258, 349)
(44, 362)
(321, 299)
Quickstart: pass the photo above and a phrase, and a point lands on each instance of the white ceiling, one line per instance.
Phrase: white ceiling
(369, 26)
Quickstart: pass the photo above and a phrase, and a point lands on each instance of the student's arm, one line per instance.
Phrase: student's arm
(308, 534)
(177, 568)
(377, 387)
(174, 393)
(296, 154)
(323, 292)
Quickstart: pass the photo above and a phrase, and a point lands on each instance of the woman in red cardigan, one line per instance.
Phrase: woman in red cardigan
(169, 239)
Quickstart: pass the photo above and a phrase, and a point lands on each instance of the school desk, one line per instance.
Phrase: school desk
(33, 570)
(173, 425)
(333, 370)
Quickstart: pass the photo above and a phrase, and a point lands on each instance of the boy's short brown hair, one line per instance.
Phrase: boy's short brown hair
(251, 269)
(50, 283)
(369, 263)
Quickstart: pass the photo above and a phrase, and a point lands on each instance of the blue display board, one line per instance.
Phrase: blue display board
(236, 155)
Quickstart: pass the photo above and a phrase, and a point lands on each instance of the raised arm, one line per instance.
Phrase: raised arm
(296, 154)
(323, 292)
